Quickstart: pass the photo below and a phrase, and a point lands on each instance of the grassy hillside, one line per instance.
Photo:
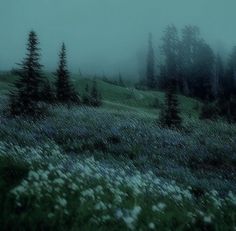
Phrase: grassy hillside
(117, 96)
(100, 169)
(122, 98)
(113, 168)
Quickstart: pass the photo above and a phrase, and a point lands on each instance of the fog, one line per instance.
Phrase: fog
(107, 36)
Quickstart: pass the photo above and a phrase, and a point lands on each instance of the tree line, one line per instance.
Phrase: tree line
(33, 89)
(197, 71)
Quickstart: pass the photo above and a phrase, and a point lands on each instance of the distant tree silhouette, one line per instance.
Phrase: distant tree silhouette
(65, 92)
(226, 101)
(218, 83)
(86, 96)
(95, 97)
(150, 74)
(188, 46)
(170, 114)
(170, 50)
(24, 100)
(120, 81)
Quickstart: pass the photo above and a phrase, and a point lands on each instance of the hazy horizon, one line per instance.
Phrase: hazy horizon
(108, 36)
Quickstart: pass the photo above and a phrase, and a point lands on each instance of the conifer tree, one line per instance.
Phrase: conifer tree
(48, 93)
(24, 100)
(120, 81)
(65, 92)
(150, 75)
(170, 51)
(86, 96)
(170, 114)
(96, 99)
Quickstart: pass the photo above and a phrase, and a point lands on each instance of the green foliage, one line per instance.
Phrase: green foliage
(95, 98)
(170, 115)
(209, 111)
(65, 92)
(92, 98)
(25, 97)
(92, 194)
(48, 94)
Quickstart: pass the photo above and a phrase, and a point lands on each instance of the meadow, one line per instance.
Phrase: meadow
(115, 168)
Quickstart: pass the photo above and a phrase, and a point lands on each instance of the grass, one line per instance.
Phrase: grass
(121, 98)
(137, 98)
(114, 168)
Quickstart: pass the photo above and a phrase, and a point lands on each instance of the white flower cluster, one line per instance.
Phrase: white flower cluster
(109, 194)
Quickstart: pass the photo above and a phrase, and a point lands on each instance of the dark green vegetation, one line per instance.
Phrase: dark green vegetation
(66, 164)
(199, 72)
(31, 89)
(49, 176)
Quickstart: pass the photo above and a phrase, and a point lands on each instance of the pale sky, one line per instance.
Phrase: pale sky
(107, 35)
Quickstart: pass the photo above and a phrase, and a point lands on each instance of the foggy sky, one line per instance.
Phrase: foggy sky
(107, 36)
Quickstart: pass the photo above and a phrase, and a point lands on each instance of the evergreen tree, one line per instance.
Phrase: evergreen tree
(95, 99)
(150, 75)
(120, 81)
(86, 96)
(170, 50)
(203, 78)
(218, 83)
(230, 77)
(48, 95)
(196, 66)
(24, 99)
(170, 114)
(227, 96)
(65, 92)
(187, 54)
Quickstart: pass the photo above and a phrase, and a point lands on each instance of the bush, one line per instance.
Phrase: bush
(209, 111)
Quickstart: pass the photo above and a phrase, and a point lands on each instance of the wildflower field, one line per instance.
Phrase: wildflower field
(104, 169)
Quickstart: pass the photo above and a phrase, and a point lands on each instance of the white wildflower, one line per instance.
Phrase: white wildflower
(151, 225)
(207, 219)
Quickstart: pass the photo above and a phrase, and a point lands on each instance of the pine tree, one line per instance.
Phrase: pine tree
(47, 93)
(170, 50)
(65, 92)
(25, 99)
(170, 115)
(96, 99)
(150, 75)
(120, 81)
(218, 83)
(86, 96)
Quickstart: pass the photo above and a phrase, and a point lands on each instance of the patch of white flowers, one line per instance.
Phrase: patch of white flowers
(119, 195)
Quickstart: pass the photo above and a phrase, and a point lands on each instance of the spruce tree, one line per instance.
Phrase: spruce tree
(24, 100)
(65, 92)
(48, 93)
(86, 96)
(150, 75)
(95, 99)
(170, 51)
(120, 81)
(170, 114)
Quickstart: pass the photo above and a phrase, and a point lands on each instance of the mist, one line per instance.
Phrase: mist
(108, 36)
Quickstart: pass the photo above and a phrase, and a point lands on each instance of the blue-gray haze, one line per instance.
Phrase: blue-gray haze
(107, 36)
